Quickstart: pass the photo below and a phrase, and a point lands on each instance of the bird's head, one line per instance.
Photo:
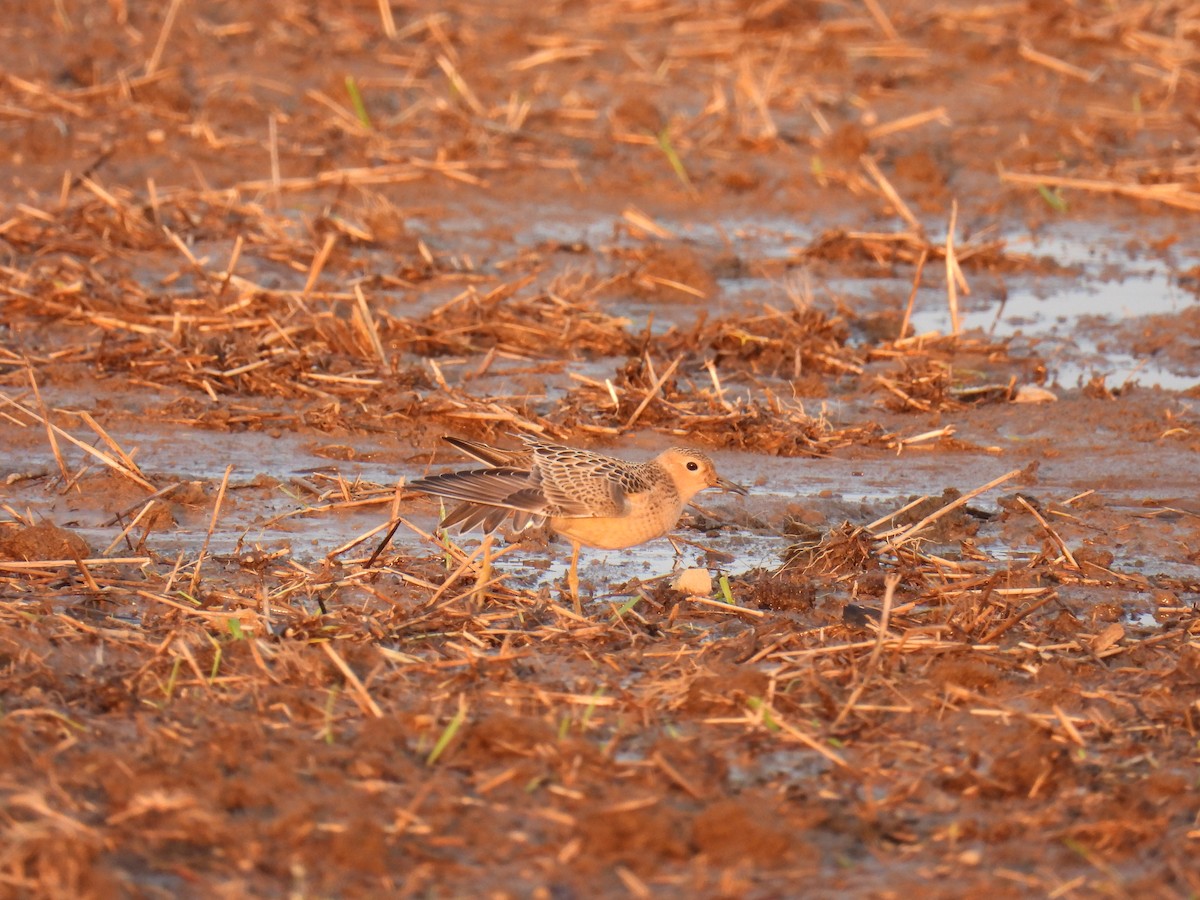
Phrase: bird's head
(692, 472)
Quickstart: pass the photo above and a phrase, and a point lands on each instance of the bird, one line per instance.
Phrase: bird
(590, 499)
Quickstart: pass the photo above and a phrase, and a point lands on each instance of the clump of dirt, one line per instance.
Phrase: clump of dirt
(42, 541)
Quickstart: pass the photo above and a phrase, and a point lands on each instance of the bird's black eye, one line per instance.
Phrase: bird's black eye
(693, 466)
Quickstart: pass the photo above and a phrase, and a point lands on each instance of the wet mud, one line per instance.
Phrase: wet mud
(924, 279)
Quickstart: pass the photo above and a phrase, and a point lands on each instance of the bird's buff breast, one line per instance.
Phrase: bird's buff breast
(616, 532)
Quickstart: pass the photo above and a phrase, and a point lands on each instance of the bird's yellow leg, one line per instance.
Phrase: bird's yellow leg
(573, 579)
(678, 552)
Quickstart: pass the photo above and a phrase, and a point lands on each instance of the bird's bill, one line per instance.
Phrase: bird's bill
(726, 485)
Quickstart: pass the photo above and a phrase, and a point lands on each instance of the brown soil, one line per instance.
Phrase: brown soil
(963, 652)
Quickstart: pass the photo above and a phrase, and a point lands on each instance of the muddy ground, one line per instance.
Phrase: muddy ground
(924, 277)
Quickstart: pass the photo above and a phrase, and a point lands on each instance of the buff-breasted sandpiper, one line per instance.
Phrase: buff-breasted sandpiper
(591, 500)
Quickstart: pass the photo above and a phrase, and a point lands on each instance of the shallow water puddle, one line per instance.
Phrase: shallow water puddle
(1066, 317)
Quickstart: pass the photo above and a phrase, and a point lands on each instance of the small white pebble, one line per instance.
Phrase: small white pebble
(696, 582)
(1029, 393)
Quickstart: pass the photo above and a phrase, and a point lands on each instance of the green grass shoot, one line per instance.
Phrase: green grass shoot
(726, 591)
(1053, 198)
(668, 149)
(443, 535)
(626, 607)
(757, 705)
(591, 707)
(216, 666)
(327, 728)
(448, 733)
(356, 100)
(169, 687)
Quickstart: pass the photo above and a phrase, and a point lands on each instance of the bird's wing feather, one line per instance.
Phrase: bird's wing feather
(522, 520)
(488, 455)
(579, 485)
(462, 513)
(502, 487)
(467, 515)
(471, 515)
